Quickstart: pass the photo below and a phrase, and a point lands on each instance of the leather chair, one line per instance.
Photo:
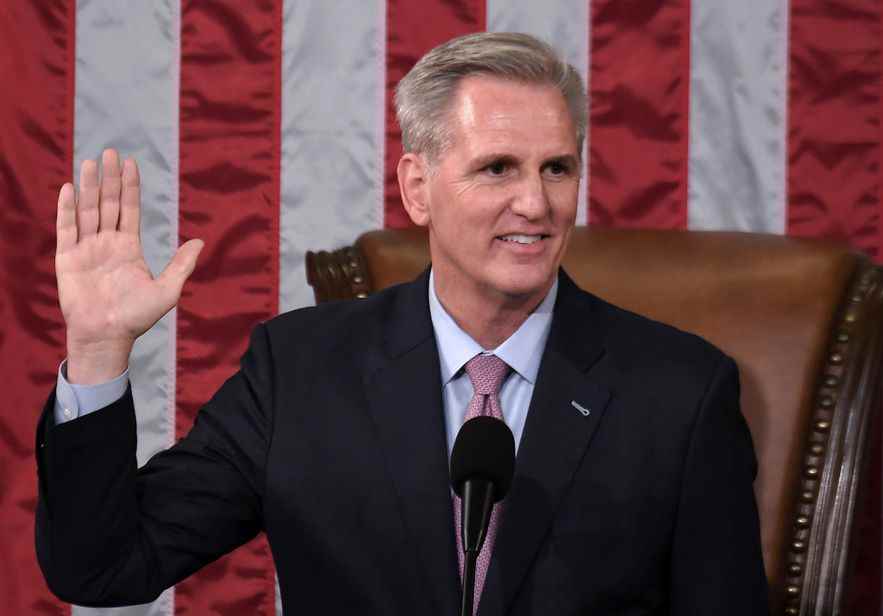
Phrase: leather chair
(801, 318)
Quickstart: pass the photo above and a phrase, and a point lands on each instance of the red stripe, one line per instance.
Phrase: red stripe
(412, 29)
(834, 122)
(36, 158)
(640, 75)
(229, 197)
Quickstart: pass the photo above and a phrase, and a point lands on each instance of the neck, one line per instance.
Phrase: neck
(488, 318)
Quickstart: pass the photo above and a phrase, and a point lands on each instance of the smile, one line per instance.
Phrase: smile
(522, 239)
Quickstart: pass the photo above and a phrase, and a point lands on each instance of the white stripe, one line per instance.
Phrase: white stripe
(278, 602)
(738, 105)
(332, 96)
(127, 69)
(582, 217)
(564, 24)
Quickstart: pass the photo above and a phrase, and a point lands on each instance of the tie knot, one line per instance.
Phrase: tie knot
(487, 373)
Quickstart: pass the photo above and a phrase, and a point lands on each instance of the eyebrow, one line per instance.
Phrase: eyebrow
(493, 157)
(486, 159)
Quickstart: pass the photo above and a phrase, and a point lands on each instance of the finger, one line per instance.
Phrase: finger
(87, 202)
(178, 270)
(109, 200)
(66, 220)
(130, 198)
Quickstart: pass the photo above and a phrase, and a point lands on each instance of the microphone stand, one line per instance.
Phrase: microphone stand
(476, 507)
(466, 606)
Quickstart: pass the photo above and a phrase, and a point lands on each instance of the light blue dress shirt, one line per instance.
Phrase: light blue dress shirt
(72, 400)
(522, 351)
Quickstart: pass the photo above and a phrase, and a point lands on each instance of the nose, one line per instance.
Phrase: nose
(531, 200)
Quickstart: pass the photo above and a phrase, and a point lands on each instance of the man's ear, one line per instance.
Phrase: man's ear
(413, 173)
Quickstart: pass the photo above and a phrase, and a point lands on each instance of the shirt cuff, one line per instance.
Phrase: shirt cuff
(72, 400)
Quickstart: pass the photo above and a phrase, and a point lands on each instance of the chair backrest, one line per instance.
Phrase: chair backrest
(801, 318)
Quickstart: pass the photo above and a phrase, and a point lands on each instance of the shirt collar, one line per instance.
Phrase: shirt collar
(522, 351)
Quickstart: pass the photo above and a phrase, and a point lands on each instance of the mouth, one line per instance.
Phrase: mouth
(524, 240)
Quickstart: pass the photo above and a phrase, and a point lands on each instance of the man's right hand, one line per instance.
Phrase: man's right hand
(107, 293)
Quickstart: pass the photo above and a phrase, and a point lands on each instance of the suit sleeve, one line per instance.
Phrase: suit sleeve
(108, 533)
(717, 561)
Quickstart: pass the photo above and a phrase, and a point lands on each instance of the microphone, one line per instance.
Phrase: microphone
(482, 464)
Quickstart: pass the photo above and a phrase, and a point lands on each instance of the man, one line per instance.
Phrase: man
(632, 492)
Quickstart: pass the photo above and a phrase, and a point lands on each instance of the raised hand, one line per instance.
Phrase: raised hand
(107, 293)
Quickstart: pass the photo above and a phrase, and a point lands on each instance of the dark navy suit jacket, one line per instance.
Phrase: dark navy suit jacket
(331, 439)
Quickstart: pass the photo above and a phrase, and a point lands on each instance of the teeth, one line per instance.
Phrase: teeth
(521, 239)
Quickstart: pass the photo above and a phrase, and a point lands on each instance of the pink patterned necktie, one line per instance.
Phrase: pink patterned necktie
(487, 373)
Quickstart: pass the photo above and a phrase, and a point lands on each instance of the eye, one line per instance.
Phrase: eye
(557, 168)
(497, 167)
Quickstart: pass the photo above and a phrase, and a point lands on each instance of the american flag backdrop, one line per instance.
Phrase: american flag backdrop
(266, 128)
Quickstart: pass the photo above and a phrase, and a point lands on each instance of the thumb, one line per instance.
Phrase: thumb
(178, 270)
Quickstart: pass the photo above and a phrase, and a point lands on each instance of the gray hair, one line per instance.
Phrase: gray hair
(424, 95)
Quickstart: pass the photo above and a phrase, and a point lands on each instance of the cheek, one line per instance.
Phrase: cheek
(563, 199)
(467, 217)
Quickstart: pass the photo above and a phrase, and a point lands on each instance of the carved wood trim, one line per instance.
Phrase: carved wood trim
(337, 275)
(847, 395)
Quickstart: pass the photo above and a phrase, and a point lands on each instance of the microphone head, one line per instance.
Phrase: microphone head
(484, 449)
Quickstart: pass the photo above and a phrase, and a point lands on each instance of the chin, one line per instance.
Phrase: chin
(518, 283)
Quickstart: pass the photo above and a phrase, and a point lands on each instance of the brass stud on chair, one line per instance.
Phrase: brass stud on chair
(827, 405)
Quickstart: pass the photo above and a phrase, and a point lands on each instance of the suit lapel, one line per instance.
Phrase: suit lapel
(405, 400)
(556, 435)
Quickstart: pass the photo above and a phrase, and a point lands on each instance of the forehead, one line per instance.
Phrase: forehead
(488, 112)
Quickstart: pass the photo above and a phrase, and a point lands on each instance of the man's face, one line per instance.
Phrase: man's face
(501, 200)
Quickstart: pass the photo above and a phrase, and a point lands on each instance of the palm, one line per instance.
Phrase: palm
(106, 288)
(107, 293)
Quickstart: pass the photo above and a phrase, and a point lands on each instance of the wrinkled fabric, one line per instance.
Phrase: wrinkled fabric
(738, 111)
(639, 116)
(332, 133)
(36, 63)
(834, 122)
(229, 197)
(128, 99)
